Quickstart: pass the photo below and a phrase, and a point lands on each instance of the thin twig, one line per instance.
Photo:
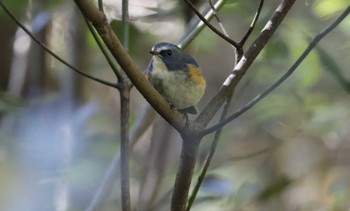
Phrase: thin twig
(238, 52)
(100, 5)
(41, 44)
(223, 36)
(210, 155)
(247, 60)
(125, 20)
(267, 91)
(217, 18)
(104, 51)
(252, 25)
(185, 40)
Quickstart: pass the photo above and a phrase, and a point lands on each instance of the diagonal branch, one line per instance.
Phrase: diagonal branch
(216, 31)
(199, 26)
(41, 44)
(267, 91)
(218, 19)
(248, 57)
(99, 21)
(104, 51)
(252, 24)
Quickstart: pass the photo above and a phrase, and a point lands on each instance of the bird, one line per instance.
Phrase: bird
(176, 76)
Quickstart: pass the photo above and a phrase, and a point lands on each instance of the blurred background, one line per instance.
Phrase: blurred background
(59, 131)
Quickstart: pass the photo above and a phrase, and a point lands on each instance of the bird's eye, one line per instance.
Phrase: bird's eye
(169, 52)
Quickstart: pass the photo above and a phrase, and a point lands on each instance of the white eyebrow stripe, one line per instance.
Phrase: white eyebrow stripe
(160, 48)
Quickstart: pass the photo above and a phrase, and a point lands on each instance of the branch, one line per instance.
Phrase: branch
(242, 66)
(267, 91)
(191, 140)
(215, 141)
(223, 36)
(189, 151)
(200, 25)
(100, 5)
(218, 19)
(210, 155)
(124, 148)
(125, 20)
(253, 23)
(41, 44)
(124, 119)
(104, 51)
(117, 50)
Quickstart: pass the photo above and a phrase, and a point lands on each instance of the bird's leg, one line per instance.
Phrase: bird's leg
(185, 115)
(187, 120)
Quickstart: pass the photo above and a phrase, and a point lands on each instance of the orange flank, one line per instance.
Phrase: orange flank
(196, 74)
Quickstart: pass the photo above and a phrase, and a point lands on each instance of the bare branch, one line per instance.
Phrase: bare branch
(218, 19)
(253, 23)
(125, 20)
(200, 25)
(223, 36)
(124, 149)
(191, 140)
(104, 51)
(218, 132)
(267, 91)
(189, 151)
(116, 48)
(41, 44)
(249, 56)
(100, 5)
(225, 111)
(124, 119)
(210, 155)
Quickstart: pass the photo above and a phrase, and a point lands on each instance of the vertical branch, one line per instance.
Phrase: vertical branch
(124, 147)
(238, 55)
(210, 155)
(125, 19)
(124, 118)
(189, 151)
(100, 5)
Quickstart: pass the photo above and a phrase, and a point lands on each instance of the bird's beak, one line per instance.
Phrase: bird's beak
(154, 52)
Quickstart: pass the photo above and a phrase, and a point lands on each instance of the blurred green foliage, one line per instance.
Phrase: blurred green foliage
(301, 129)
